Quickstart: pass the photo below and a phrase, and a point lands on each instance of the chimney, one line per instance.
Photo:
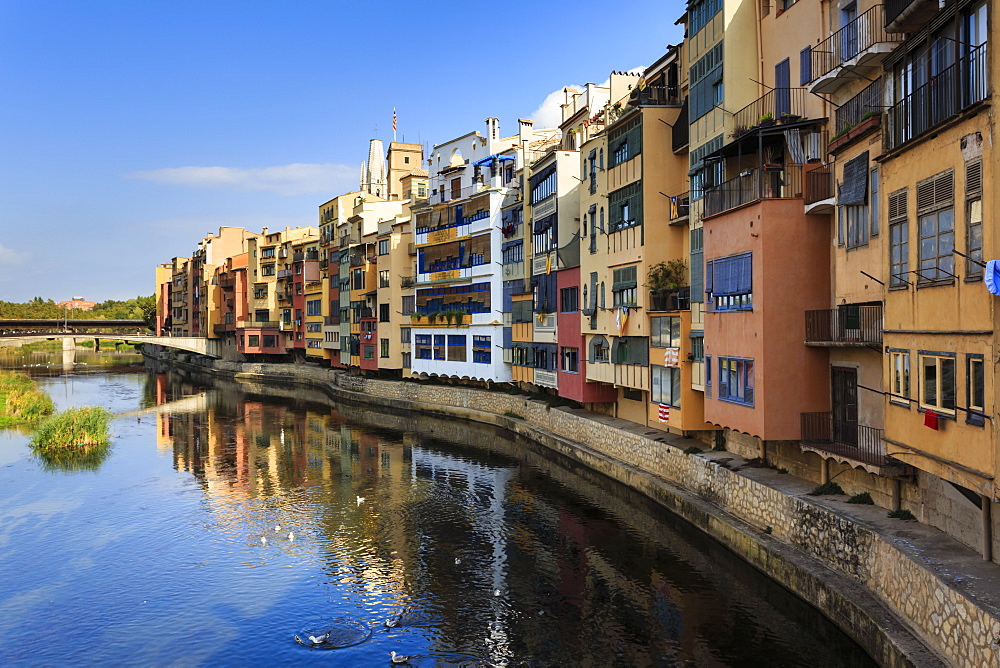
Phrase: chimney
(524, 129)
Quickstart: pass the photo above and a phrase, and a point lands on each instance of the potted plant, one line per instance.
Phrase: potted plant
(432, 317)
(739, 131)
(766, 121)
(664, 279)
(785, 119)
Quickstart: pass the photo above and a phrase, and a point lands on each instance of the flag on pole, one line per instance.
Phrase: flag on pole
(621, 317)
(394, 122)
(664, 413)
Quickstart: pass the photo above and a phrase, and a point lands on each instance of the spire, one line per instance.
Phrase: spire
(373, 176)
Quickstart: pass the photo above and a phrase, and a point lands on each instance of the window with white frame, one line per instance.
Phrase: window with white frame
(570, 359)
(666, 385)
(899, 377)
(623, 290)
(937, 382)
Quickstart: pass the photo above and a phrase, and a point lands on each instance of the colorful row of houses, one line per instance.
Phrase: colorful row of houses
(776, 238)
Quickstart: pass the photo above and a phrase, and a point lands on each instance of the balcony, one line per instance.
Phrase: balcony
(655, 96)
(858, 117)
(861, 43)
(257, 324)
(670, 300)
(819, 190)
(227, 282)
(407, 281)
(909, 15)
(939, 99)
(284, 273)
(222, 328)
(312, 255)
(846, 441)
(850, 325)
(780, 104)
(769, 182)
(298, 257)
(680, 208)
(324, 263)
(330, 320)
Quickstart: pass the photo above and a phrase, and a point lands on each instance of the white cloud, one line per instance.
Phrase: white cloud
(295, 179)
(10, 257)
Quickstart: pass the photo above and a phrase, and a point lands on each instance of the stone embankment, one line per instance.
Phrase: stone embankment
(906, 592)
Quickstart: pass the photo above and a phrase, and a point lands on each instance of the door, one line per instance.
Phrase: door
(782, 92)
(844, 399)
(849, 46)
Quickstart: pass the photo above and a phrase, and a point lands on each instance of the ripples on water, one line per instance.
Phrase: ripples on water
(480, 548)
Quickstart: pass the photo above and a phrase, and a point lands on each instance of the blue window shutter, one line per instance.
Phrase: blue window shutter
(709, 279)
(745, 274)
(805, 66)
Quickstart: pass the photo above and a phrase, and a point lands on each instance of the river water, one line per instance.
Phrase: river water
(479, 547)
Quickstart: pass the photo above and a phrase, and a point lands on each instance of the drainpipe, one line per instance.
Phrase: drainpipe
(824, 471)
(987, 506)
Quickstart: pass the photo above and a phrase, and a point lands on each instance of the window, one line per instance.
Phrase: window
(383, 313)
(404, 334)
(541, 242)
(423, 344)
(409, 304)
(729, 282)
(383, 347)
(571, 360)
(703, 76)
(358, 279)
(665, 332)
(625, 142)
(314, 307)
(936, 228)
(805, 64)
(407, 362)
(623, 290)
(314, 327)
(937, 382)
(873, 202)
(736, 380)
(253, 340)
(630, 350)
(482, 349)
(899, 377)
(513, 252)
(267, 270)
(899, 245)
(974, 219)
(625, 207)
(456, 348)
(267, 252)
(698, 347)
(599, 349)
(383, 278)
(521, 311)
(270, 340)
(369, 352)
(260, 292)
(974, 387)
(544, 185)
(314, 343)
(701, 13)
(708, 376)
(261, 315)
(852, 201)
(569, 299)
(439, 346)
(631, 394)
(383, 246)
(666, 386)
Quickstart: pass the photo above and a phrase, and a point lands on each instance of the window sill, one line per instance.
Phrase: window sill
(935, 283)
(735, 402)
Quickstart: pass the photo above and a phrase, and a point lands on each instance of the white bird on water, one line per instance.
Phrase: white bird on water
(263, 540)
(393, 622)
(361, 500)
(319, 640)
(277, 528)
(457, 561)
(291, 537)
(399, 658)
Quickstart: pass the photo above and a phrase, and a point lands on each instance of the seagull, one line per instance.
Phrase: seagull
(319, 640)
(277, 528)
(361, 500)
(263, 540)
(291, 537)
(457, 561)
(393, 622)
(496, 592)
(399, 658)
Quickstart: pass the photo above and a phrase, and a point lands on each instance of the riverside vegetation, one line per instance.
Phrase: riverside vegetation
(76, 438)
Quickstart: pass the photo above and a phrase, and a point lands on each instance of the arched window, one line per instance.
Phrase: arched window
(599, 350)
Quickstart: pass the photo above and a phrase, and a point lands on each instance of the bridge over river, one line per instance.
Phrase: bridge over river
(72, 331)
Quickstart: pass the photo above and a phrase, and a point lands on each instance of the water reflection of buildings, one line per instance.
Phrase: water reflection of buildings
(565, 569)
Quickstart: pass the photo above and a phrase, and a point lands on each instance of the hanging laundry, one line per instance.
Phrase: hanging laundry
(992, 277)
(663, 412)
(931, 420)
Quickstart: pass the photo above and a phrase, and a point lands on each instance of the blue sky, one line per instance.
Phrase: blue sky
(129, 130)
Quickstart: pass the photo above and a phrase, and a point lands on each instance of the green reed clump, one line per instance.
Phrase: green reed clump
(21, 400)
(74, 432)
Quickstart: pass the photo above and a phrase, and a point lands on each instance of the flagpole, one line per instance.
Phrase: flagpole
(394, 124)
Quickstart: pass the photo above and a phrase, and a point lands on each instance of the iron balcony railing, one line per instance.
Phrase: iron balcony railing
(227, 281)
(849, 42)
(298, 257)
(847, 324)
(655, 96)
(845, 438)
(819, 185)
(863, 105)
(944, 95)
(772, 106)
(782, 182)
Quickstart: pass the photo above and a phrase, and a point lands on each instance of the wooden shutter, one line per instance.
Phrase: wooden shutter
(897, 205)
(974, 178)
(936, 192)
